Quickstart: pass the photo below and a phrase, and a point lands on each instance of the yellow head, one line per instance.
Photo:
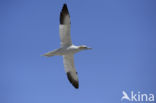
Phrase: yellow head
(84, 47)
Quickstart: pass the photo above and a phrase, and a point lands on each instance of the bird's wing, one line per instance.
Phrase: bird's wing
(64, 27)
(68, 61)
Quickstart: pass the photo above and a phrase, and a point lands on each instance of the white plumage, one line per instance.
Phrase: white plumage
(67, 49)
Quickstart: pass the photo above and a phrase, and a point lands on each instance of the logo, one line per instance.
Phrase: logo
(137, 96)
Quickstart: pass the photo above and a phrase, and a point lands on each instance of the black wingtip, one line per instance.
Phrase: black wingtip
(75, 83)
(65, 9)
(63, 13)
(65, 5)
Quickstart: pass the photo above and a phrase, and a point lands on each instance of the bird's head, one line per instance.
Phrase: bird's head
(84, 47)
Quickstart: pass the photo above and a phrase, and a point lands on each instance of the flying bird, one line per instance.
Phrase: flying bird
(67, 49)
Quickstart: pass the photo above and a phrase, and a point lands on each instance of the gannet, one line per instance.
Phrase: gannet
(67, 49)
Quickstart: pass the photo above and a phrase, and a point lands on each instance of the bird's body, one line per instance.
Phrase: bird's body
(72, 49)
(67, 49)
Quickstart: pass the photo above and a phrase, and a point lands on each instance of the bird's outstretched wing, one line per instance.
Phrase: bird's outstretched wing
(64, 27)
(68, 61)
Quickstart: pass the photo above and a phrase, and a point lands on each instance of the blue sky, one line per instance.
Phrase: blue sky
(122, 34)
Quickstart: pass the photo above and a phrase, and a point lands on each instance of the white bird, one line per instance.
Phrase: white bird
(67, 49)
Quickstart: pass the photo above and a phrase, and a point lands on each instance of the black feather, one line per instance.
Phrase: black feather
(75, 83)
(63, 13)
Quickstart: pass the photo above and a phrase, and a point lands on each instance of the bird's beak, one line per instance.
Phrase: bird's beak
(89, 48)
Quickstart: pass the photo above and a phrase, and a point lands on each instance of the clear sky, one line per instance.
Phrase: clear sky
(122, 34)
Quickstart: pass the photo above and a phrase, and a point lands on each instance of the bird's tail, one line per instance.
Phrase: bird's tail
(49, 54)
